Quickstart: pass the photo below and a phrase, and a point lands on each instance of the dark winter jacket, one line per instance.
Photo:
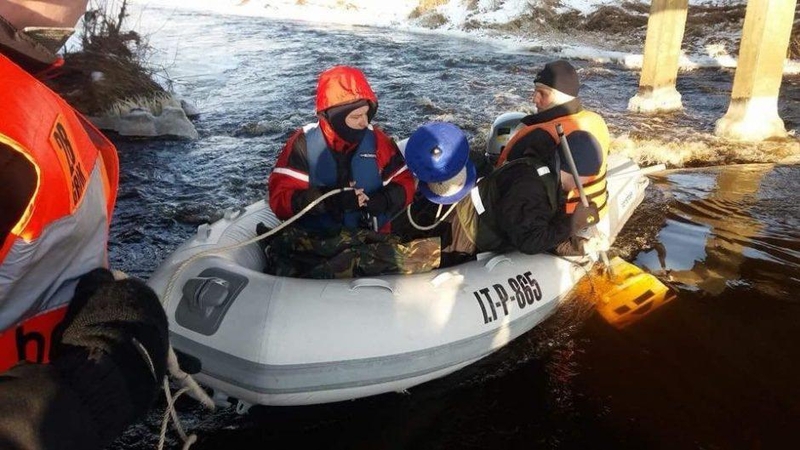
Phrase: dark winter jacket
(521, 213)
(589, 141)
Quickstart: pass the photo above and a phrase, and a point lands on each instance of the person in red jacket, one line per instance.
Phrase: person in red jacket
(341, 150)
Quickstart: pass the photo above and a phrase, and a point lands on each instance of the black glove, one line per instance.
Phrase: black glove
(261, 229)
(336, 203)
(583, 217)
(445, 232)
(301, 199)
(341, 202)
(378, 203)
(112, 348)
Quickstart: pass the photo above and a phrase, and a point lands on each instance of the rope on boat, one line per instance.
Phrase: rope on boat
(188, 385)
(282, 225)
(187, 381)
(259, 237)
(436, 222)
(184, 379)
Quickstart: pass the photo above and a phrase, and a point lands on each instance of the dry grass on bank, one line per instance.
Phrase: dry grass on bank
(110, 67)
(121, 79)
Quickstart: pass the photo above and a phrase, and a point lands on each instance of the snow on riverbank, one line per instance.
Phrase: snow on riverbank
(503, 22)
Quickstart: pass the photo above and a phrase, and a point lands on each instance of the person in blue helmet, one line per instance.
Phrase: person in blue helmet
(519, 206)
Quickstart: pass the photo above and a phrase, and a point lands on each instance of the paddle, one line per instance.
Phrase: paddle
(627, 293)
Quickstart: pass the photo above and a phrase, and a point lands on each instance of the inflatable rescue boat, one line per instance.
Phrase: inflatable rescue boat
(263, 339)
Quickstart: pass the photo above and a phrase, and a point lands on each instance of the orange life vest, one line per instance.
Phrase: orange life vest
(595, 187)
(64, 230)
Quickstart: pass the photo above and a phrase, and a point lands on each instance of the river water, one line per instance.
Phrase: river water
(716, 368)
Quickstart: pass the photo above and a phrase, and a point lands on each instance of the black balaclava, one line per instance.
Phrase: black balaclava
(336, 116)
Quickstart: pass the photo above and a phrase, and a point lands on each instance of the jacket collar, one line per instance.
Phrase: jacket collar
(567, 109)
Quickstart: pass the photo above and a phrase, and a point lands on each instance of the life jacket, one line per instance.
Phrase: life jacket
(323, 172)
(489, 236)
(596, 187)
(63, 232)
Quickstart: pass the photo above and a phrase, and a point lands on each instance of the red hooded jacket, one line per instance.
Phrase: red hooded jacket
(289, 180)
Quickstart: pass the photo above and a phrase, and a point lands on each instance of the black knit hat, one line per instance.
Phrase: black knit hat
(561, 76)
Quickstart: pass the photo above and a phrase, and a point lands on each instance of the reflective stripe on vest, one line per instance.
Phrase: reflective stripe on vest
(323, 172)
(595, 186)
(64, 230)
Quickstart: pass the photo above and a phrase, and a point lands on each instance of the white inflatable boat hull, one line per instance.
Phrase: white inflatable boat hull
(270, 340)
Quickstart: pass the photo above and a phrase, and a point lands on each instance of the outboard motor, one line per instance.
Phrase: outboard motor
(502, 129)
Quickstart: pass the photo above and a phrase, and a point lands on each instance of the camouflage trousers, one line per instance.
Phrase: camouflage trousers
(295, 252)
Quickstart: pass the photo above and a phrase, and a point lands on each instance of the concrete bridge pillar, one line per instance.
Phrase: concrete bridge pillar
(753, 112)
(662, 51)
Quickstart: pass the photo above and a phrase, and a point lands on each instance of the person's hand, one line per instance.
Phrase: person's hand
(584, 216)
(105, 313)
(378, 203)
(360, 195)
(112, 348)
(596, 244)
(362, 198)
(343, 201)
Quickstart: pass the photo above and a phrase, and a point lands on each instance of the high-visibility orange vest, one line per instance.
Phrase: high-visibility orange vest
(595, 187)
(64, 230)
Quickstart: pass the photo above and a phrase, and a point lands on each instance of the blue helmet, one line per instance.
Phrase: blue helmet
(437, 153)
